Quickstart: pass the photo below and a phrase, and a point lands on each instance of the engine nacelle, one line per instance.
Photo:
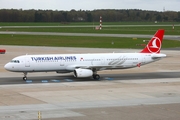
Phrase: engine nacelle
(80, 73)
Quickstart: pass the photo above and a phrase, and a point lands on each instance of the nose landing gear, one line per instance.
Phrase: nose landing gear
(25, 76)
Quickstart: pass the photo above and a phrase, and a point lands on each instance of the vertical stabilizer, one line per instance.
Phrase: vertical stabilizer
(154, 45)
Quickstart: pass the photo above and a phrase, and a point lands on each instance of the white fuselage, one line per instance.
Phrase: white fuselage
(87, 65)
(69, 62)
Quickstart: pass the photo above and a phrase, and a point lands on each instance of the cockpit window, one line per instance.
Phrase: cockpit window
(15, 61)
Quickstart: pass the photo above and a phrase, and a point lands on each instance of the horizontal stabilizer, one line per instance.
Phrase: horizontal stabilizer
(154, 56)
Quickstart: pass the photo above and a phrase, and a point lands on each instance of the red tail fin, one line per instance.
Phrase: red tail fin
(154, 45)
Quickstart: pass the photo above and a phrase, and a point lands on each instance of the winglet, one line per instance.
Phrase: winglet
(154, 45)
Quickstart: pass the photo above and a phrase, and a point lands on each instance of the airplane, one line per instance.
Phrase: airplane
(87, 65)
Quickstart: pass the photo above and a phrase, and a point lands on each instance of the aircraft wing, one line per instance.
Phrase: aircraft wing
(98, 67)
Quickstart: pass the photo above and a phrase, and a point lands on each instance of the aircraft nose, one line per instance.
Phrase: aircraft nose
(7, 67)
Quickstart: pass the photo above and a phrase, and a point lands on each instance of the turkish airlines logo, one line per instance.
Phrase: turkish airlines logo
(155, 45)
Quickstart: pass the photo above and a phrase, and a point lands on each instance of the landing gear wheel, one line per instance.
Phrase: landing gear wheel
(24, 78)
(96, 77)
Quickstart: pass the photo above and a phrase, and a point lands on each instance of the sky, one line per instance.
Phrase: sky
(67, 5)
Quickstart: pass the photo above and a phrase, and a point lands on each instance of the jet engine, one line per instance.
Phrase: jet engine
(80, 73)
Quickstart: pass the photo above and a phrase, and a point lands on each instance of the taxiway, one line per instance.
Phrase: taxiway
(169, 37)
(150, 92)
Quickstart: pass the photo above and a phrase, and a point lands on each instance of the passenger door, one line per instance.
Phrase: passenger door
(27, 62)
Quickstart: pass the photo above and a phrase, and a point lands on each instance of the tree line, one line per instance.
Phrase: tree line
(14, 15)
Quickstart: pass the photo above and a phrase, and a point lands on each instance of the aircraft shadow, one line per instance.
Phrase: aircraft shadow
(117, 77)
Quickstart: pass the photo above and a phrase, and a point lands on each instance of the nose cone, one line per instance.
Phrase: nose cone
(8, 67)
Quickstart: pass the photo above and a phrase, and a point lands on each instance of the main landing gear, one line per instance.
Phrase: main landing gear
(96, 76)
(25, 76)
